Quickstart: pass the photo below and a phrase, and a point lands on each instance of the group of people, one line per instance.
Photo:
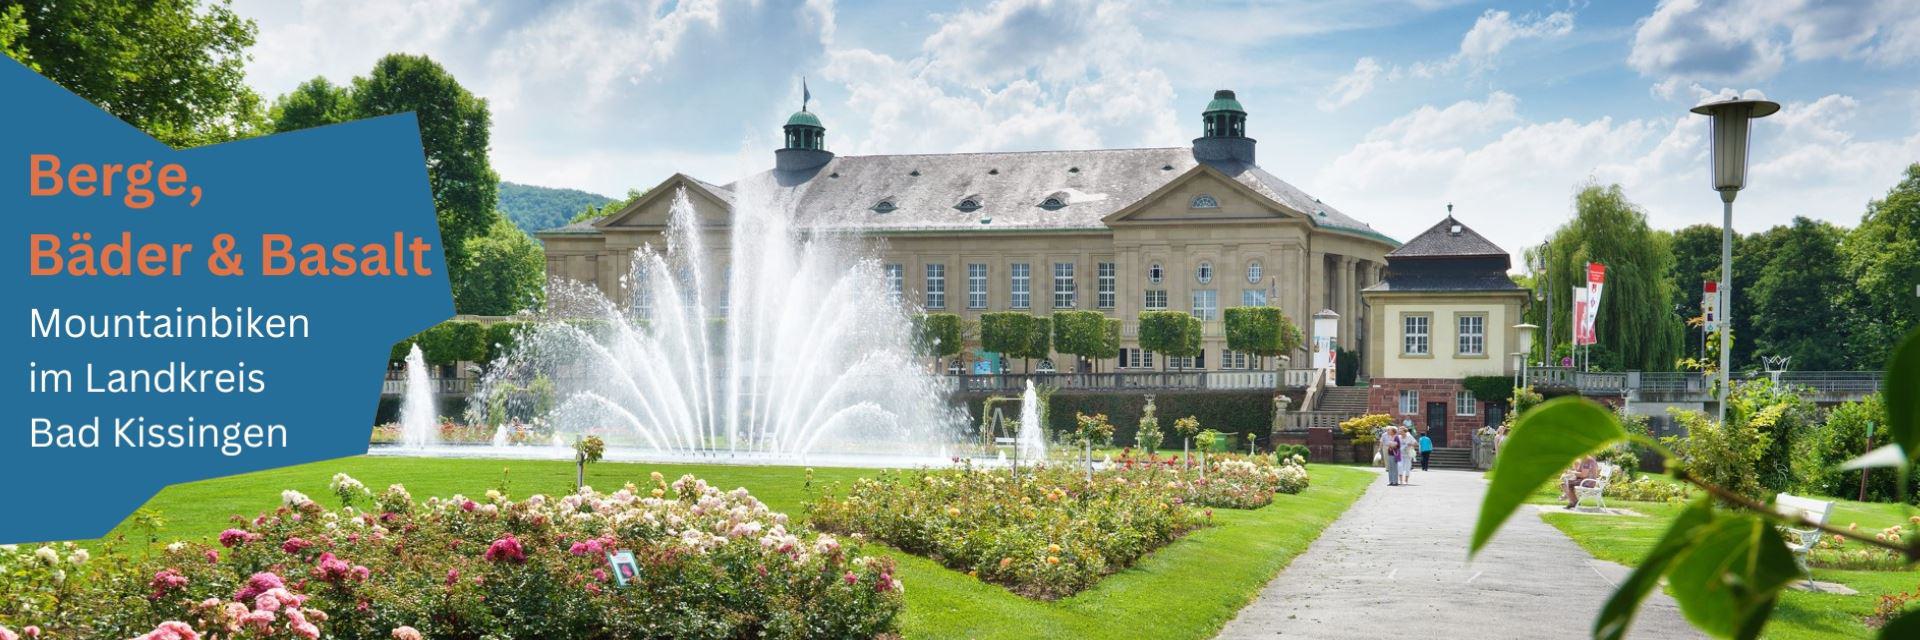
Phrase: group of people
(1399, 447)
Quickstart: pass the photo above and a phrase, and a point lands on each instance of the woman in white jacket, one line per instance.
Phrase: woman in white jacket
(1409, 449)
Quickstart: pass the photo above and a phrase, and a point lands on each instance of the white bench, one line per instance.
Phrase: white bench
(1802, 538)
(1593, 490)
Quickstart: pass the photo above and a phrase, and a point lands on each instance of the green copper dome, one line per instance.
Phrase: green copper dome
(804, 118)
(1223, 100)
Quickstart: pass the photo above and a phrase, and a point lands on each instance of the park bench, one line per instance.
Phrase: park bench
(1802, 538)
(1594, 491)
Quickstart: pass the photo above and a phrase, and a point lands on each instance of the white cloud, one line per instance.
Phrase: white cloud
(1491, 34)
(1513, 179)
(1741, 41)
(1352, 87)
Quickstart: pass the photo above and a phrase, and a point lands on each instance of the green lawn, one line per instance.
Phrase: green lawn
(1799, 614)
(1186, 590)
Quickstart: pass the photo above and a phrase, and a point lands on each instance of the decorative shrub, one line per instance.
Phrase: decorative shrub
(1170, 333)
(1148, 436)
(1261, 331)
(1646, 489)
(1080, 333)
(712, 564)
(1723, 455)
(1285, 452)
(1365, 430)
(939, 335)
(1836, 552)
(1817, 459)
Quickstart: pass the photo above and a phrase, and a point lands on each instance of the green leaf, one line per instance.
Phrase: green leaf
(1905, 626)
(1903, 395)
(1545, 441)
(1618, 612)
(1727, 579)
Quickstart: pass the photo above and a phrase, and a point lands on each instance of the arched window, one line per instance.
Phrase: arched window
(968, 204)
(955, 367)
(1046, 366)
(1204, 272)
(1253, 272)
(1204, 201)
(1052, 204)
(1154, 273)
(885, 206)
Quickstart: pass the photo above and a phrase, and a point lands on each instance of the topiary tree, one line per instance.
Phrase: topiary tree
(1186, 427)
(1170, 333)
(502, 337)
(585, 451)
(1080, 333)
(1039, 341)
(1090, 430)
(1148, 436)
(1110, 346)
(1005, 333)
(1261, 331)
(939, 335)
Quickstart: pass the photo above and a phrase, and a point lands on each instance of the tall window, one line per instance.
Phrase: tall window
(896, 280)
(1108, 286)
(1253, 297)
(936, 286)
(1136, 359)
(1414, 335)
(1409, 402)
(1156, 299)
(976, 286)
(1206, 304)
(1473, 335)
(1063, 285)
(1022, 285)
(1463, 403)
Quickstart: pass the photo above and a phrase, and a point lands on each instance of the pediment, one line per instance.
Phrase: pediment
(654, 210)
(1202, 194)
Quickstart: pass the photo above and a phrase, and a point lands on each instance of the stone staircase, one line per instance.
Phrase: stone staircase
(1351, 401)
(1451, 458)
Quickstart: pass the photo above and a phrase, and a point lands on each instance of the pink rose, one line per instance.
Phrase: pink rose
(257, 584)
(171, 630)
(406, 633)
(295, 545)
(166, 580)
(506, 549)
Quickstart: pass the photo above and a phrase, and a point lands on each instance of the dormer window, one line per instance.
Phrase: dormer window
(885, 206)
(1052, 204)
(1204, 201)
(968, 204)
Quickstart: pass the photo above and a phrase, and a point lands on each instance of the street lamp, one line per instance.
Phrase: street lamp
(1732, 120)
(1526, 348)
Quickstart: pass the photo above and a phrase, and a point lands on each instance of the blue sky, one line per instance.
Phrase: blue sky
(1388, 109)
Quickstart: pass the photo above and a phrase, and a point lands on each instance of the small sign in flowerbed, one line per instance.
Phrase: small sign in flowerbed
(695, 562)
(1044, 532)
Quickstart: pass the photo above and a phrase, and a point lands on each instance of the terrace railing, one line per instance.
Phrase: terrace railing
(1120, 381)
(1824, 386)
(1300, 421)
(441, 386)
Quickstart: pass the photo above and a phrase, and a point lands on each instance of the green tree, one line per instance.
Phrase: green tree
(1882, 262)
(1169, 333)
(1636, 327)
(1261, 331)
(172, 68)
(317, 102)
(939, 334)
(1005, 333)
(1795, 295)
(1080, 333)
(591, 212)
(1039, 339)
(506, 272)
(1696, 260)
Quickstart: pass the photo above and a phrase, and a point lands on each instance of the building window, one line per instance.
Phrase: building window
(1253, 272)
(1414, 334)
(1154, 273)
(1022, 285)
(956, 367)
(896, 280)
(1063, 285)
(885, 206)
(1230, 359)
(1188, 362)
(1463, 404)
(1108, 286)
(1253, 297)
(1156, 299)
(1204, 201)
(1046, 366)
(1206, 304)
(1473, 335)
(1409, 402)
(936, 286)
(1136, 359)
(968, 204)
(1204, 272)
(1052, 204)
(976, 286)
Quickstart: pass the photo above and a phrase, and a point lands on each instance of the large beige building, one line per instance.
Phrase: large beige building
(1121, 231)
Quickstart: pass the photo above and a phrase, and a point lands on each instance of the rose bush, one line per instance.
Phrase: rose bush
(712, 564)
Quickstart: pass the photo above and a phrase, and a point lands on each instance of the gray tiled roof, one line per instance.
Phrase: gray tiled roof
(1009, 187)
(1442, 241)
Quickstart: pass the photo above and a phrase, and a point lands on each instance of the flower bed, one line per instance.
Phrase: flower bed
(1048, 532)
(710, 564)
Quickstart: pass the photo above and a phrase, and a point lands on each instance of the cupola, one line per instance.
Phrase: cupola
(1223, 136)
(806, 141)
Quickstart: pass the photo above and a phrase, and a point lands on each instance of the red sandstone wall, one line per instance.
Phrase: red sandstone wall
(1384, 397)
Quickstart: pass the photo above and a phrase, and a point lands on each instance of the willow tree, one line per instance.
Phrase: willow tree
(1637, 327)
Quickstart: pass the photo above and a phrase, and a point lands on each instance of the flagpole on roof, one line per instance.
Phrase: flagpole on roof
(805, 95)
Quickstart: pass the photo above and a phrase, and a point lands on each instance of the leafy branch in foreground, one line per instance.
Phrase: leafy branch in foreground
(1723, 557)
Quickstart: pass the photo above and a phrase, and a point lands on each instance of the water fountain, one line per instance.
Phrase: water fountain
(795, 350)
(419, 418)
(1033, 434)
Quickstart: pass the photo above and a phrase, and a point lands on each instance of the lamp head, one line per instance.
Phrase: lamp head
(1731, 132)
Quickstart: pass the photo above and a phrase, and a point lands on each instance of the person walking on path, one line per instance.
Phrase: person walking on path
(1391, 439)
(1426, 450)
(1409, 448)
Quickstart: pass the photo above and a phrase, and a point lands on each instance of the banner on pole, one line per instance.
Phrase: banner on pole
(1579, 317)
(1596, 279)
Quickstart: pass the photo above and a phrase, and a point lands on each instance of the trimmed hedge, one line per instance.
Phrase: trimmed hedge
(1261, 331)
(1080, 333)
(939, 334)
(1235, 413)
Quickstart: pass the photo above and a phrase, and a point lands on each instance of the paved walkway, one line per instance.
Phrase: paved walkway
(1395, 566)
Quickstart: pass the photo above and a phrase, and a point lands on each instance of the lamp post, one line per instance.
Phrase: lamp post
(1526, 348)
(1541, 263)
(1732, 120)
